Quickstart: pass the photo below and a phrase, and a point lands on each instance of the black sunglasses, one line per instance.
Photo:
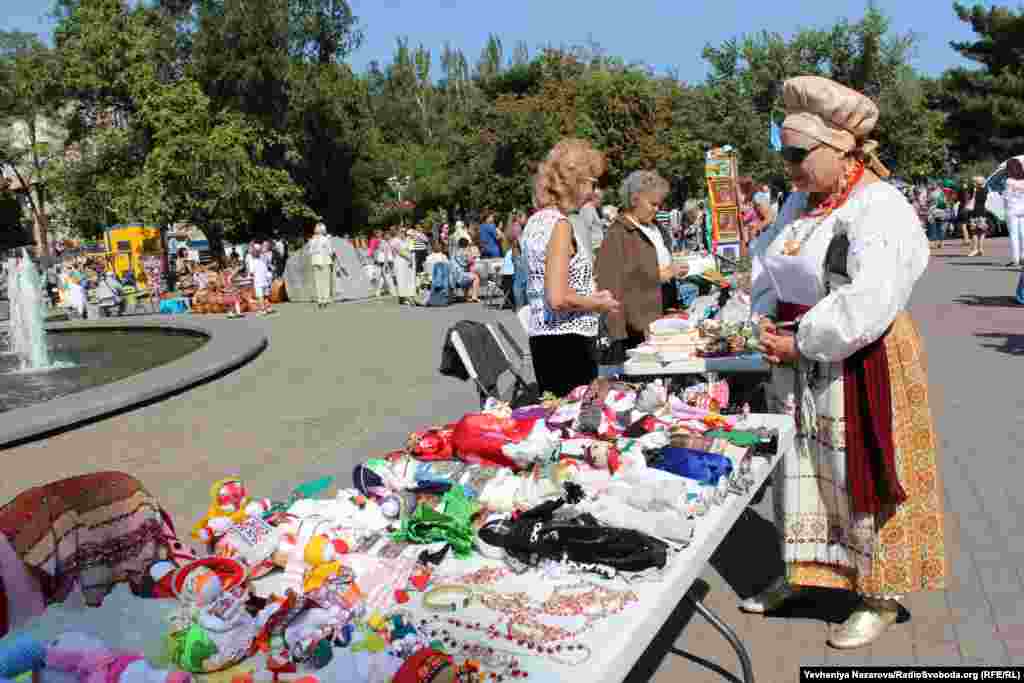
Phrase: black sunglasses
(796, 155)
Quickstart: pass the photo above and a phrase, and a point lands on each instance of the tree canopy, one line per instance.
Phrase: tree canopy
(246, 119)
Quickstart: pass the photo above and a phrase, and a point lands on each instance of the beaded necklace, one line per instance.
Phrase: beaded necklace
(813, 219)
(523, 628)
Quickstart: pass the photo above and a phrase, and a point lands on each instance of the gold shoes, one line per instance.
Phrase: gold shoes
(867, 623)
(771, 598)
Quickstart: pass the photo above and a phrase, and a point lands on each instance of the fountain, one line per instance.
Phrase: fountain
(26, 334)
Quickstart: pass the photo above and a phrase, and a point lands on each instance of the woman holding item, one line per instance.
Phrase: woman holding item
(634, 261)
(560, 291)
(858, 501)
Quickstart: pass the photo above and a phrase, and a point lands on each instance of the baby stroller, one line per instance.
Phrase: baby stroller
(440, 285)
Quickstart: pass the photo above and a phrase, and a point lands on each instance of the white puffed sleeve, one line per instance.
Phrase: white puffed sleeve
(888, 254)
(764, 299)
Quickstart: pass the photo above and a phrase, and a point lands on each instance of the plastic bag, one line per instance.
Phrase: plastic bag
(702, 305)
(736, 310)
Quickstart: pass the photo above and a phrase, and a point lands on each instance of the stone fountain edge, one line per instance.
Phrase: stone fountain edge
(230, 345)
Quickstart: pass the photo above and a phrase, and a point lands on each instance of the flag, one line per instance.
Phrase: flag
(775, 136)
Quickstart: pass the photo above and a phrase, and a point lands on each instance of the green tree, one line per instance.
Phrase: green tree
(743, 92)
(205, 167)
(985, 104)
(31, 134)
(324, 31)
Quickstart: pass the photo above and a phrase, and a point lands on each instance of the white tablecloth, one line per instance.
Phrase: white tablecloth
(616, 643)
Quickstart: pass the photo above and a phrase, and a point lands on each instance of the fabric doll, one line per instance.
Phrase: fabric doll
(230, 504)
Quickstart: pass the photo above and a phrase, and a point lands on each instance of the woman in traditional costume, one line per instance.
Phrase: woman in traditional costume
(858, 501)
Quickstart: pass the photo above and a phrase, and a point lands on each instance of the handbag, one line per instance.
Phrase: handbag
(606, 350)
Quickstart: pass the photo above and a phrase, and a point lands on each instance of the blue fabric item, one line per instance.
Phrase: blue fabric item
(173, 306)
(706, 468)
(489, 246)
(22, 654)
(688, 293)
(1020, 290)
(425, 475)
(440, 285)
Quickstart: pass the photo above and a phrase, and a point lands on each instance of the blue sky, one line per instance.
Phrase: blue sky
(662, 33)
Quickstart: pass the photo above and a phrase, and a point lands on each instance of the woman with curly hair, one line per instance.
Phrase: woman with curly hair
(560, 292)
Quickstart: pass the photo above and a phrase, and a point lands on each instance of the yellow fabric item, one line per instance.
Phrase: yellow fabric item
(215, 510)
(314, 551)
(316, 576)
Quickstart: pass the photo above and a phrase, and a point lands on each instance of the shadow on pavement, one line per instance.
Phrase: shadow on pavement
(990, 301)
(1012, 344)
(664, 641)
(751, 536)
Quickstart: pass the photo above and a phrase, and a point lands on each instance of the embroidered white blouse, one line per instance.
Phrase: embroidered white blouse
(888, 254)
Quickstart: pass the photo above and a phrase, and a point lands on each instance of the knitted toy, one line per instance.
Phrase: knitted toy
(230, 504)
(90, 661)
(308, 563)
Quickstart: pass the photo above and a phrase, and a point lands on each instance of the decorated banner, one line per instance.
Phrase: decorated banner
(720, 171)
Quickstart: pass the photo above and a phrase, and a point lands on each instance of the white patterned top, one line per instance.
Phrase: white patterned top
(543, 319)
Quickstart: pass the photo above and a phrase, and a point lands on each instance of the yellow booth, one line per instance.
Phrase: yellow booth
(128, 243)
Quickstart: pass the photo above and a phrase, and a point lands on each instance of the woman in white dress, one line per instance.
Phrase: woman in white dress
(321, 253)
(405, 268)
(858, 501)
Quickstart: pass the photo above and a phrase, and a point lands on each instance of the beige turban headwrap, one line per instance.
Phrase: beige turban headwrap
(834, 114)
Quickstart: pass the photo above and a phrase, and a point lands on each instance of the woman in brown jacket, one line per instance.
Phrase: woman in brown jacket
(634, 260)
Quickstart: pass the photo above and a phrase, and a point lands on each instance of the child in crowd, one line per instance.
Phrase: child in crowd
(437, 256)
(261, 280)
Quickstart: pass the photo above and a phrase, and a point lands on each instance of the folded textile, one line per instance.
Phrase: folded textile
(94, 530)
(706, 468)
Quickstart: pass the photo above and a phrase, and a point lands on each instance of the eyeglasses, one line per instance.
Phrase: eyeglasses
(797, 155)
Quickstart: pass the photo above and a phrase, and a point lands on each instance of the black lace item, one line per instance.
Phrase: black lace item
(536, 535)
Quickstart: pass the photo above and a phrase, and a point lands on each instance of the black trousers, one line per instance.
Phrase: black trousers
(420, 257)
(562, 362)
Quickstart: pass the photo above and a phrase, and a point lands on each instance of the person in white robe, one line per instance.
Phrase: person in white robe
(321, 255)
(859, 500)
(405, 267)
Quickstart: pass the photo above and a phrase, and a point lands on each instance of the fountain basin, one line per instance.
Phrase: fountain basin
(193, 351)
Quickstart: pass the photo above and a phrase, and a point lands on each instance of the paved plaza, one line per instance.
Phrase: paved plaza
(336, 387)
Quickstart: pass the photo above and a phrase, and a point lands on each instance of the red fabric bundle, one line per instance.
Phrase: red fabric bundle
(432, 444)
(478, 438)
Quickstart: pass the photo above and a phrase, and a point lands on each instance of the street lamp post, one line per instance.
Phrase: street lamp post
(399, 185)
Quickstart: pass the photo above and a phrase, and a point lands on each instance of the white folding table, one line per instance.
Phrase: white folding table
(616, 643)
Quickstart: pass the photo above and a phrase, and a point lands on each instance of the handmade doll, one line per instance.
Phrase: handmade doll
(230, 504)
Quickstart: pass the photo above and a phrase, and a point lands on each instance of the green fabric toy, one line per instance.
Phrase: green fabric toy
(449, 524)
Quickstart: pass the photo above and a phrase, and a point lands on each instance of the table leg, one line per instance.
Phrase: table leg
(729, 635)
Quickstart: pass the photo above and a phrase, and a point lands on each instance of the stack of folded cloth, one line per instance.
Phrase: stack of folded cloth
(670, 340)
